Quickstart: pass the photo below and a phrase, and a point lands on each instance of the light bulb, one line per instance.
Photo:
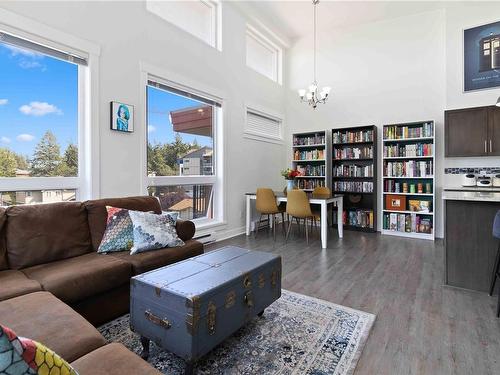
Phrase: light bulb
(309, 96)
(327, 89)
(302, 93)
(313, 87)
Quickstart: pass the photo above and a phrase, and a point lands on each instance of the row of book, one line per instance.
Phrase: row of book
(399, 150)
(409, 223)
(353, 153)
(410, 168)
(391, 186)
(311, 170)
(352, 136)
(303, 183)
(313, 139)
(316, 154)
(404, 132)
(353, 171)
(358, 218)
(353, 186)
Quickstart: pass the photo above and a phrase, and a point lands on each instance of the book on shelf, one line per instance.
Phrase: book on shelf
(351, 153)
(350, 136)
(392, 186)
(410, 150)
(423, 206)
(304, 183)
(409, 223)
(361, 218)
(317, 154)
(306, 140)
(311, 170)
(352, 170)
(396, 132)
(410, 168)
(353, 186)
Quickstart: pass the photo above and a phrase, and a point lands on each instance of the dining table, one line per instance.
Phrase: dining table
(323, 201)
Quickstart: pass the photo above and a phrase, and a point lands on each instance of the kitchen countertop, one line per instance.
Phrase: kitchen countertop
(472, 188)
(481, 194)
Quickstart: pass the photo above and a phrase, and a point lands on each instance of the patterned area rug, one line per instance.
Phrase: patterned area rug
(296, 335)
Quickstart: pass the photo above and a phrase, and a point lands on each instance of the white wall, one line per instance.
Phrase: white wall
(128, 35)
(403, 69)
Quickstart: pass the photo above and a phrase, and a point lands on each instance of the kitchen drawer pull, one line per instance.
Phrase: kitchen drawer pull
(491, 146)
(485, 147)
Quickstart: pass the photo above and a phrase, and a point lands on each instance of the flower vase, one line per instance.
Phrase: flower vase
(289, 185)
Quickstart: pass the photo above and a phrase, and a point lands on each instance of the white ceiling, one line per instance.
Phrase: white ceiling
(293, 19)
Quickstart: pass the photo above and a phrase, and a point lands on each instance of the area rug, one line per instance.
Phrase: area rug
(296, 335)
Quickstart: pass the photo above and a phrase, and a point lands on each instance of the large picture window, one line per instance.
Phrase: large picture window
(182, 149)
(40, 118)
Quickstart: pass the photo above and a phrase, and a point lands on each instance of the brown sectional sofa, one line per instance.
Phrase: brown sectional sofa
(55, 287)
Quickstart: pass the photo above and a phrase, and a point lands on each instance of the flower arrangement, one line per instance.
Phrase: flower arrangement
(290, 174)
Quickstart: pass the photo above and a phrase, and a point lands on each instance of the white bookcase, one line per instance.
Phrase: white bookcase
(408, 170)
(311, 153)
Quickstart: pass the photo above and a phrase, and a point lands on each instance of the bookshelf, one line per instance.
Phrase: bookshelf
(310, 156)
(408, 182)
(354, 174)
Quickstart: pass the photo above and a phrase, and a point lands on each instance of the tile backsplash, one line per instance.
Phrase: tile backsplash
(475, 170)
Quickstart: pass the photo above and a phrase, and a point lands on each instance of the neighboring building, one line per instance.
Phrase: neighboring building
(197, 162)
(36, 197)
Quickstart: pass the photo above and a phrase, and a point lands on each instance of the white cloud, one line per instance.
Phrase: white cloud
(5, 140)
(4, 101)
(151, 129)
(25, 137)
(15, 51)
(39, 109)
(27, 64)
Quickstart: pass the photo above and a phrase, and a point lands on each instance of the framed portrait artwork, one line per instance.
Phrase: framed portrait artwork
(122, 117)
(482, 57)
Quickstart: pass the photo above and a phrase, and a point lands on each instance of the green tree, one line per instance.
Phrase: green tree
(47, 157)
(22, 162)
(157, 164)
(8, 163)
(69, 162)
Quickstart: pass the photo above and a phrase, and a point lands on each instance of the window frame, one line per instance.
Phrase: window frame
(267, 43)
(180, 82)
(215, 37)
(87, 183)
(260, 111)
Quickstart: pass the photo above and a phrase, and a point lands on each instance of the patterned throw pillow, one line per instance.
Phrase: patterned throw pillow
(22, 356)
(152, 231)
(119, 231)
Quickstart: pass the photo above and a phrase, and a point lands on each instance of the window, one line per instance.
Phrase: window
(41, 116)
(262, 55)
(198, 17)
(262, 126)
(182, 149)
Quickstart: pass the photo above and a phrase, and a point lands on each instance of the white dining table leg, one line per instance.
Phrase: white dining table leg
(324, 225)
(248, 215)
(340, 212)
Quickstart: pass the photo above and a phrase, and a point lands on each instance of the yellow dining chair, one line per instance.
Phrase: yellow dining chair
(320, 192)
(266, 205)
(298, 207)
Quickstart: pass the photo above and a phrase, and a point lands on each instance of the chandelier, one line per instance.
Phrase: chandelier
(313, 96)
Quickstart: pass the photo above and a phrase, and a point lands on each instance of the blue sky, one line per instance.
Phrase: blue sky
(37, 93)
(160, 103)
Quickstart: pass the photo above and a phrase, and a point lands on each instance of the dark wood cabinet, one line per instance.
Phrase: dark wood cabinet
(470, 245)
(472, 132)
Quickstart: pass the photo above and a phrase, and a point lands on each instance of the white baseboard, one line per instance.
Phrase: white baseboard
(224, 235)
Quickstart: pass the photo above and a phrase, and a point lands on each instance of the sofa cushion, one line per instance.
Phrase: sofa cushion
(119, 233)
(44, 318)
(151, 260)
(21, 355)
(3, 256)
(113, 359)
(152, 232)
(97, 214)
(42, 233)
(77, 278)
(15, 283)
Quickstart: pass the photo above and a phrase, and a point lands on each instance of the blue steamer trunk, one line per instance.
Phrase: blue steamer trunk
(190, 307)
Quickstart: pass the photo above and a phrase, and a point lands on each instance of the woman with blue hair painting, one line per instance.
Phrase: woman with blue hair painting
(123, 115)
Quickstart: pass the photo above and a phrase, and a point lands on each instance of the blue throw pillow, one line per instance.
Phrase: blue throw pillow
(152, 231)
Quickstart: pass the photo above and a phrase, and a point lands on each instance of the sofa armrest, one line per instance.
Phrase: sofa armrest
(185, 229)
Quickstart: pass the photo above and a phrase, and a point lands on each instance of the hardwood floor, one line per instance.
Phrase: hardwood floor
(422, 327)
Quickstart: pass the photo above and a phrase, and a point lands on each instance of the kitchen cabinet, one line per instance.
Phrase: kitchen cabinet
(472, 132)
(470, 247)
